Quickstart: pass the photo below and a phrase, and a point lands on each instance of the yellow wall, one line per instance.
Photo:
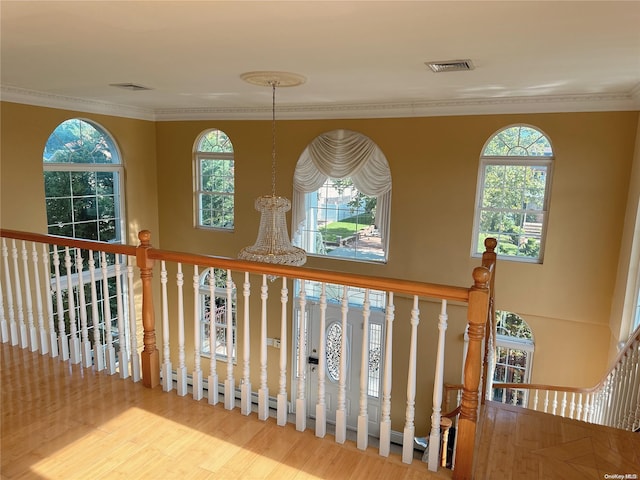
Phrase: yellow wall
(434, 163)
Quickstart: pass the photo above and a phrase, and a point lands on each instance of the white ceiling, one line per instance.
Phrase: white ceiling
(360, 58)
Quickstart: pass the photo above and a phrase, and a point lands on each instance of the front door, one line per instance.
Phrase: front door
(333, 338)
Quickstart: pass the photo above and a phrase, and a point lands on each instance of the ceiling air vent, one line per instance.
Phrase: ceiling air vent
(450, 66)
(134, 87)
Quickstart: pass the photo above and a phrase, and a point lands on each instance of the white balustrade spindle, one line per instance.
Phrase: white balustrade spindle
(301, 401)
(198, 389)
(263, 392)
(22, 327)
(229, 383)
(434, 437)
(321, 407)
(32, 337)
(385, 421)
(136, 374)
(212, 380)
(167, 368)
(98, 348)
(13, 326)
(85, 345)
(63, 343)
(43, 340)
(363, 415)
(245, 387)
(341, 410)
(409, 426)
(282, 384)
(110, 354)
(181, 371)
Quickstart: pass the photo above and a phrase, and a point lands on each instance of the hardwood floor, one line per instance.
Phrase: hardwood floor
(517, 443)
(63, 422)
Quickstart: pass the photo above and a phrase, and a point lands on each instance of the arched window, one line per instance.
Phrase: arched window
(342, 198)
(214, 183)
(82, 181)
(512, 199)
(514, 348)
(214, 309)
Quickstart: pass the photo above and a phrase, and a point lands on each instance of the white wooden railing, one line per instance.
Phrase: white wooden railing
(90, 300)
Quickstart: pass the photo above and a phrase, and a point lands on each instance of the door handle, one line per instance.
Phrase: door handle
(313, 361)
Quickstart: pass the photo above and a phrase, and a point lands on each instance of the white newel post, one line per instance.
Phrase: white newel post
(409, 426)
(13, 327)
(123, 354)
(341, 410)
(385, 421)
(282, 386)
(245, 386)
(321, 407)
(167, 368)
(98, 348)
(301, 401)
(434, 437)
(198, 391)
(136, 374)
(363, 414)
(110, 350)
(263, 392)
(44, 341)
(31, 328)
(230, 382)
(63, 344)
(181, 371)
(85, 346)
(24, 343)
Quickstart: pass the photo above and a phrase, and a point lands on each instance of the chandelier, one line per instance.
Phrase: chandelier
(273, 244)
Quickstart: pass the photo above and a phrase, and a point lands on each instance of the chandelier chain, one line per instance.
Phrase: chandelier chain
(273, 84)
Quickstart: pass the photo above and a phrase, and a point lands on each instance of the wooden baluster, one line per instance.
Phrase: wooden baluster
(85, 346)
(409, 425)
(196, 376)
(282, 390)
(212, 381)
(445, 426)
(341, 409)
(63, 344)
(30, 332)
(434, 438)
(363, 416)
(98, 348)
(133, 327)
(167, 368)
(385, 420)
(13, 326)
(150, 357)
(110, 350)
(321, 408)
(43, 340)
(245, 387)
(229, 383)
(301, 402)
(263, 392)
(477, 316)
(123, 353)
(22, 327)
(181, 371)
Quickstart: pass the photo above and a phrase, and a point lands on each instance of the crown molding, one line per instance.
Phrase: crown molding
(472, 106)
(44, 99)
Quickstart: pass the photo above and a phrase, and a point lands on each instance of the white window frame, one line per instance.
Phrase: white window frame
(540, 161)
(199, 193)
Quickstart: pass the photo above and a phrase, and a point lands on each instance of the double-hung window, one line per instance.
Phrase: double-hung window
(512, 201)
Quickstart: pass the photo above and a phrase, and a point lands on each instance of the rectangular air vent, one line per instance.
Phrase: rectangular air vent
(450, 66)
(130, 86)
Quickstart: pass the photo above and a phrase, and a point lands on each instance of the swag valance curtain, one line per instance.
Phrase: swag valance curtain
(340, 154)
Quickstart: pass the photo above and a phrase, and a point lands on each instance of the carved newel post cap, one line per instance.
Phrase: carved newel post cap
(145, 237)
(481, 277)
(490, 244)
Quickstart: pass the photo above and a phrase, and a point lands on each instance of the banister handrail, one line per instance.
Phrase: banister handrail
(107, 247)
(475, 297)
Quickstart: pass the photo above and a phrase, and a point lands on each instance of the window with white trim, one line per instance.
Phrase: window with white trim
(514, 349)
(83, 177)
(214, 181)
(512, 200)
(215, 292)
(342, 198)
